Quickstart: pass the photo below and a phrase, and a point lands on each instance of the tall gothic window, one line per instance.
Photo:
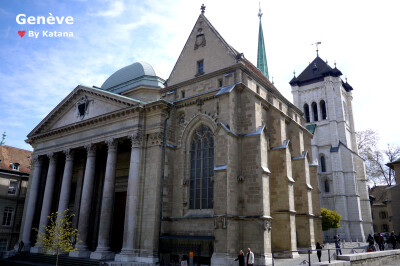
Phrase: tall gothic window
(326, 185)
(201, 169)
(307, 113)
(314, 108)
(323, 164)
(322, 106)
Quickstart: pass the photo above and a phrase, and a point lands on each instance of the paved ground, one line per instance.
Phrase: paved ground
(303, 259)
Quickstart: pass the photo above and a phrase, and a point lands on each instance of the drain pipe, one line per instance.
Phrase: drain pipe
(162, 183)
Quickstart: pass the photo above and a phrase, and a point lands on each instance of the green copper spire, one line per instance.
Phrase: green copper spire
(261, 55)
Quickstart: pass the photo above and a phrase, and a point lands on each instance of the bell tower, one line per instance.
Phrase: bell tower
(326, 101)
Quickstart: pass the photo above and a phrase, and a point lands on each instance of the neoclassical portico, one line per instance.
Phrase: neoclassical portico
(106, 140)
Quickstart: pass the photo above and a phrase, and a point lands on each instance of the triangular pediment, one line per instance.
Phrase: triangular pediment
(204, 43)
(83, 103)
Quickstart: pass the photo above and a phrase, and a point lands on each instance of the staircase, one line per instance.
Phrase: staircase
(28, 259)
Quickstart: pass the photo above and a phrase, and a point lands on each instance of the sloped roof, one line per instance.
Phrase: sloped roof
(397, 161)
(315, 71)
(380, 195)
(10, 155)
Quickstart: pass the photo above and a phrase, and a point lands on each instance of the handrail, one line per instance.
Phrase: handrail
(309, 252)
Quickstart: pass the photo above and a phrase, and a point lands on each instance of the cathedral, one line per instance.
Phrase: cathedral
(326, 101)
(208, 162)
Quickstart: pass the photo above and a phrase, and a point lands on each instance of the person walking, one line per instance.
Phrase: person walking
(371, 243)
(319, 247)
(337, 245)
(393, 240)
(240, 258)
(380, 242)
(249, 257)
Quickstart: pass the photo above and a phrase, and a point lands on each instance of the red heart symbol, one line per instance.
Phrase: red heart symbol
(21, 33)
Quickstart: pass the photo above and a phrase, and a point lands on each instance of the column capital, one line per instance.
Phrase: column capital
(112, 144)
(91, 149)
(37, 160)
(136, 138)
(156, 138)
(52, 157)
(69, 154)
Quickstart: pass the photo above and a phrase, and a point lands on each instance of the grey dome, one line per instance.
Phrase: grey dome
(136, 74)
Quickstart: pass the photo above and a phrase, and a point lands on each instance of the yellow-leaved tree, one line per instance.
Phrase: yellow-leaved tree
(58, 236)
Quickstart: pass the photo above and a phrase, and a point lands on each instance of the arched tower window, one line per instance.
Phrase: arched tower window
(322, 106)
(307, 113)
(314, 108)
(201, 169)
(323, 164)
(326, 183)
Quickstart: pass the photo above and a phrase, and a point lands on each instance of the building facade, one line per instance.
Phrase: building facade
(381, 207)
(14, 173)
(326, 101)
(212, 160)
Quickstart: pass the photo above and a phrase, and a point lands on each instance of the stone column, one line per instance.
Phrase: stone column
(127, 252)
(86, 203)
(103, 250)
(31, 201)
(47, 198)
(66, 181)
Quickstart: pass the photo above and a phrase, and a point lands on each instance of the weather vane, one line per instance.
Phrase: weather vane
(316, 45)
(259, 10)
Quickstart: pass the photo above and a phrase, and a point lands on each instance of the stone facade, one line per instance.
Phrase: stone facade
(327, 105)
(216, 162)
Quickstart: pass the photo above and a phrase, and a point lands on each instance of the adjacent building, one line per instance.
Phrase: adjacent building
(326, 101)
(212, 160)
(381, 207)
(14, 173)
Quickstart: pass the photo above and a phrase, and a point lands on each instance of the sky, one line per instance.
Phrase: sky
(362, 37)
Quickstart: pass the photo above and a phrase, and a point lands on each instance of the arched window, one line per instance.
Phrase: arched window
(201, 169)
(322, 106)
(326, 183)
(307, 113)
(323, 164)
(314, 108)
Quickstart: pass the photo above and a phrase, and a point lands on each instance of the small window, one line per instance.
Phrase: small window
(12, 188)
(15, 166)
(200, 67)
(258, 89)
(183, 94)
(7, 216)
(322, 106)
(383, 215)
(314, 108)
(307, 113)
(3, 244)
(219, 83)
(326, 183)
(323, 164)
(385, 228)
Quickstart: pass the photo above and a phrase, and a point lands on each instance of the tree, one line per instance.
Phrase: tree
(330, 219)
(375, 158)
(59, 236)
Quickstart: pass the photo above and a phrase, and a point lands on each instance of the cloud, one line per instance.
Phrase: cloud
(115, 9)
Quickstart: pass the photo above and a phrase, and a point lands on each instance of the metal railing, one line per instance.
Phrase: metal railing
(309, 252)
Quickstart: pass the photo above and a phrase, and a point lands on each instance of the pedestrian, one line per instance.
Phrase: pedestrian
(249, 257)
(319, 247)
(393, 240)
(371, 243)
(20, 246)
(381, 242)
(337, 245)
(240, 258)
